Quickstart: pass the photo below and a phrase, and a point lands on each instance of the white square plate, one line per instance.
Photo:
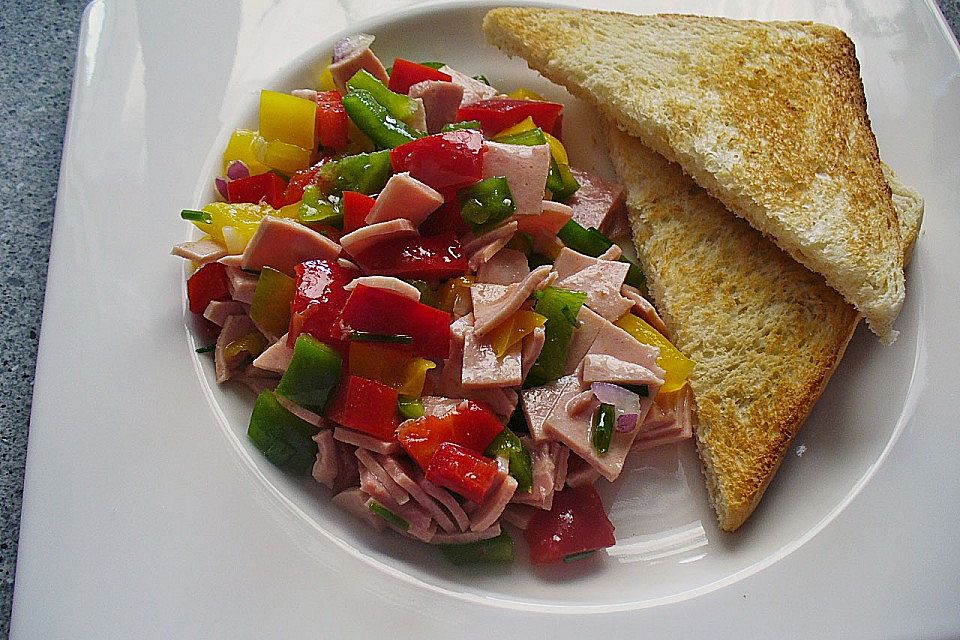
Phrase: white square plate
(147, 513)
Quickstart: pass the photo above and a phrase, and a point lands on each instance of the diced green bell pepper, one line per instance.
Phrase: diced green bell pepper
(397, 105)
(410, 407)
(316, 208)
(312, 375)
(561, 308)
(592, 243)
(365, 173)
(486, 204)
(560, 181)
(270, 309)
(375, 120)
(283, 438)
(499, 549)
(507, 444)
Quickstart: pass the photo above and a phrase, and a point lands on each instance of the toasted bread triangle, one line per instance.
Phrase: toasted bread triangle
(769, 117)
(766, 333)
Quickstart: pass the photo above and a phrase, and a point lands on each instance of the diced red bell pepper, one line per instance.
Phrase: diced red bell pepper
(433, 258)
(356, 206)
(298, 181)
(446, 219)
(331, 120)
(576, 523)
(405, 74)
(375, 310)
(366, 405)
(472, 425)
(208, 283)
(264, 187)
(444, 161)
(496, 114)
(462, 471)
(319, 297)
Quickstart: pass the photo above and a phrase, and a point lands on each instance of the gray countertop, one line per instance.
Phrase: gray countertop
(39, 40)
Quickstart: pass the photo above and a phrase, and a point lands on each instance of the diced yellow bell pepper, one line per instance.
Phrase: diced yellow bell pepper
(514, 330)
(241, 219)
(524, 125)
(676, 365)
(287, 118)
(326, 82)
(389, 366)
(453, 291)
(413, 376)
(557, 149)
(248, 147)
(291, 211)
(288, 158)
(522, 93)
(252, 343)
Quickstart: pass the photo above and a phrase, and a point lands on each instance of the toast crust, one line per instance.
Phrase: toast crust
(769, 117)
(766, 333)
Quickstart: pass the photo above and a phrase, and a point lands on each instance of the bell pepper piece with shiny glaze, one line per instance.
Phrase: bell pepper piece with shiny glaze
(312, 375)
(356, 206)
(576, 524)
(264, 187)
(366, 405)
(379, 311)
(486, 204)
(331, 127)
(208, 283)
(496, 114)
(560, 307)
(471, 425)
(404, 74)
(246, 146)
(375, 120)
(433, 258)
(284, 439)
(460, 470)
(270, 309)
(318, 300)
(445, 161)
(287, 118)
(671, 360)
(508, 445)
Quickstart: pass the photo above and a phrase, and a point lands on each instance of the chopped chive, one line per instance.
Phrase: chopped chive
(207, 349)
(367, 336)
(194, 215)
(602, 426)
(388, 515)
(482, 79)
(574, 557)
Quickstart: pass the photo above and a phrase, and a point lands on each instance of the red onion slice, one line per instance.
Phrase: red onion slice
(627, 403)
(237, 169)
(221, 187)
(626, 422)
(345, 46)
